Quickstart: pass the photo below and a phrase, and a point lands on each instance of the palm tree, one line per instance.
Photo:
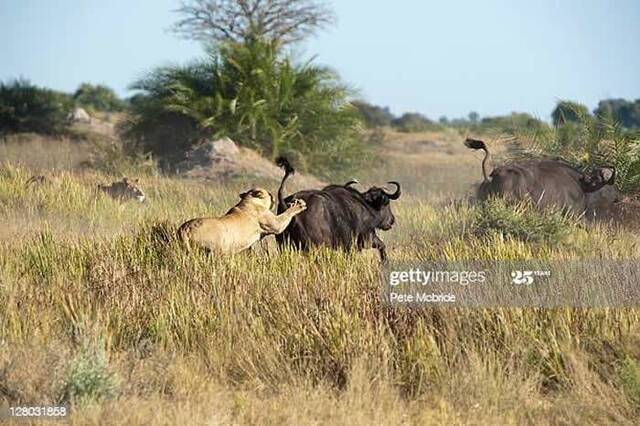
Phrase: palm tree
(252, 94)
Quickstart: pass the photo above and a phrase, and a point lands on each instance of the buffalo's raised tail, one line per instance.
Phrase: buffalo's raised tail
(478, 144)
(284, 164)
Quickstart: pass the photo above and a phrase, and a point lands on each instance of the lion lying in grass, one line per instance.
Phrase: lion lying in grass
(124, 190)
(246, 223)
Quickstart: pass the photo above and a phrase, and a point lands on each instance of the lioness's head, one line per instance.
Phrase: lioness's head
(126, 189)
(259, 196)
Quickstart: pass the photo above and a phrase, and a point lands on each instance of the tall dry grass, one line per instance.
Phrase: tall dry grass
(41, 153)
(102, 310)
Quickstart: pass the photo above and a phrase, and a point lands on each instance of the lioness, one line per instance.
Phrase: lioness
(124, 190)
(246, 223)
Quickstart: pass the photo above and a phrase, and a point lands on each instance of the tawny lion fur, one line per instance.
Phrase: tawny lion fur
(246, 223)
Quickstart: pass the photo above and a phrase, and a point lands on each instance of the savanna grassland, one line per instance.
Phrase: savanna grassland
(103, 311)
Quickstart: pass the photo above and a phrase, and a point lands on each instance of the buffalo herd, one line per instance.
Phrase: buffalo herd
(341, 216)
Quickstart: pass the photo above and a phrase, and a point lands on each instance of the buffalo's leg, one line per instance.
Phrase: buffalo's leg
(372, 241)
(378, 244)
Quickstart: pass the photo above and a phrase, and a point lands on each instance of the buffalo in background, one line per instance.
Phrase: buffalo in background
(548, 183)
(338, 216)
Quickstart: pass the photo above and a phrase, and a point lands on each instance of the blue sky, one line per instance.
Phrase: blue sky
(435, 57)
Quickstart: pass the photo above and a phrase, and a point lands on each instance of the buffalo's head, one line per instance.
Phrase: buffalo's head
(378, 199)
(597, 177)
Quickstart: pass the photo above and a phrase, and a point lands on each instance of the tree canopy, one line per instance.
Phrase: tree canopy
(25, 107)
(284, 21)
(255, 96)
(569, 112)
(622, 111)
(98, 98)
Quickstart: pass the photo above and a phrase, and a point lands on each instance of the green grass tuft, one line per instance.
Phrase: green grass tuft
(523, 221)
(89, 378)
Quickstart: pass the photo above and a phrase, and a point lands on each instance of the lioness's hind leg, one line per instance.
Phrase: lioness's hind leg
(184, 233)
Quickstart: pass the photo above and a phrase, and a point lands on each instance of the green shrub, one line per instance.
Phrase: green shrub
(511, 123)
(522, 220)
(28, 108)
(152, 128)
(254, 95)
(630, 375)
(414, 122)
(89, 378)
(97, 98)
(569, 112)
(622, 111)
(374, 115)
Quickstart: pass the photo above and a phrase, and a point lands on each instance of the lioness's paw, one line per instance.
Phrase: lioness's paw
(298, 205)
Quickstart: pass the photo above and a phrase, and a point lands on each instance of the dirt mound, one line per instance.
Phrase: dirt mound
(97, 123)
(223, 159)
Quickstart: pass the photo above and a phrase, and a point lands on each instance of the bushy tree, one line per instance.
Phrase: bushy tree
(569, 112)
(252, 94)
(25, 107)
(413, 122)
(511, 123)
(374, 115)
(97, 98)
(459, 122)
(239, 21)
(153, 127)
(625, 112)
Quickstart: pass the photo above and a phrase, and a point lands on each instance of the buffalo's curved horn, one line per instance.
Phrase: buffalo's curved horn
(352, 182)
(608, 174)
(396, 194)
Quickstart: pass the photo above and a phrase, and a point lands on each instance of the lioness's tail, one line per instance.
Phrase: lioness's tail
(283, 163)
(478, 144)
(35, 180)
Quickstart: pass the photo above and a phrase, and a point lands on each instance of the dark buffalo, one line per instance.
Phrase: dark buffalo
(549, 183)
(337, 216)
(602, 203)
